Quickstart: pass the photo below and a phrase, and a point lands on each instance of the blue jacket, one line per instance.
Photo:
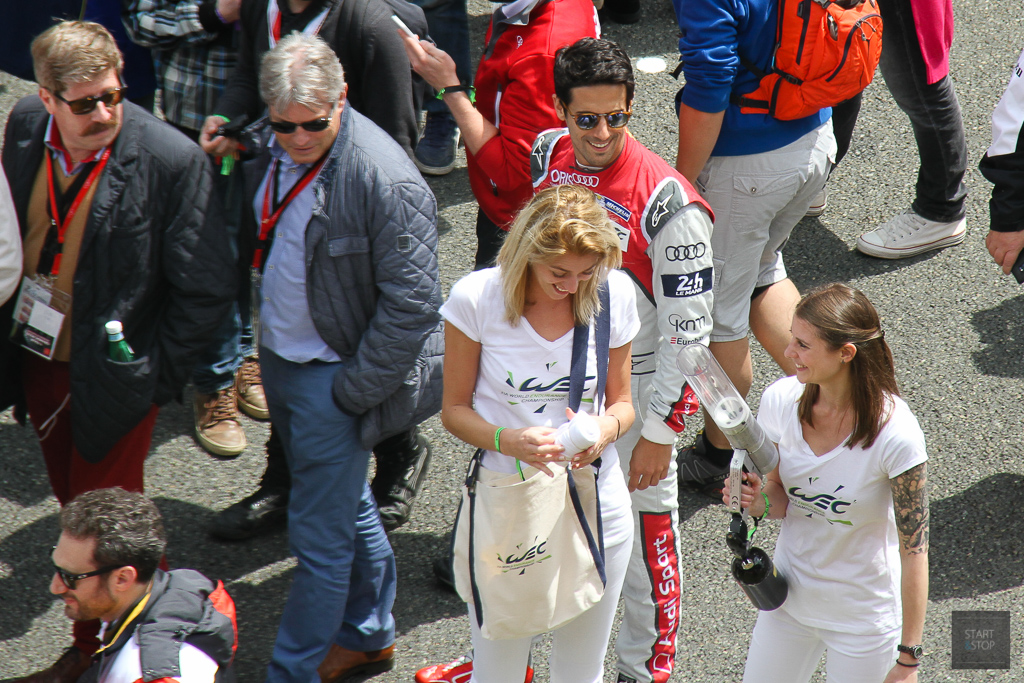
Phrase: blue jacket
(713, 35)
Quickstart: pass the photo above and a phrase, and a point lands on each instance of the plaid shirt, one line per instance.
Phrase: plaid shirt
(193, 50)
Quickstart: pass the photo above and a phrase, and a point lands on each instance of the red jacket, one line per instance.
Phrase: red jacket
(514, 88)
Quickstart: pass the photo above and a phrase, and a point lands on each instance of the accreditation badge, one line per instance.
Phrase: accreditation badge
(39, 315)
(255, 298)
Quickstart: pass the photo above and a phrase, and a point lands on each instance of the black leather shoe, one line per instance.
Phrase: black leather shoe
(444, 572)
(263, 511)
(399, 478)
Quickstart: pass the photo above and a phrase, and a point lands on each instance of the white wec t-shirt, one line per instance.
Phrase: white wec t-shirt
(838, 545)
(523, 379)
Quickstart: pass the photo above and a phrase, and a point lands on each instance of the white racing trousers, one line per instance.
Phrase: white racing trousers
(652, 591)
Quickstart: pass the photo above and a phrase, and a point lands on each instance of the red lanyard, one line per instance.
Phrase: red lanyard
(55, 221)
(269, 218)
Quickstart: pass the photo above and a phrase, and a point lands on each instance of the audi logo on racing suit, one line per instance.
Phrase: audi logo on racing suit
(563, 178)
(685, 252)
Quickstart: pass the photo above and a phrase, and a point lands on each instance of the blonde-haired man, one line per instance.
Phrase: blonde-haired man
(116, 223)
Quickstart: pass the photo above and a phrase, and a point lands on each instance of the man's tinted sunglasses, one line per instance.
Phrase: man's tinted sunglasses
(71, 580)
(86, 105)
(616, 119)
(314, 126)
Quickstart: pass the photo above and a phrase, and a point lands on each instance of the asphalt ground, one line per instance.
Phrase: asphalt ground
(955, 324)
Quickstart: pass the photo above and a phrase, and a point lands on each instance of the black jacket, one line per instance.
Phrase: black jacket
(155, 255)
(381, 83)
(183, 607)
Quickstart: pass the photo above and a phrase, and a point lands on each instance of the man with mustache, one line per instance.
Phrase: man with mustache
(117, 224)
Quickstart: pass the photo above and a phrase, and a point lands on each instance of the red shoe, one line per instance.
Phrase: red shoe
(458, 671)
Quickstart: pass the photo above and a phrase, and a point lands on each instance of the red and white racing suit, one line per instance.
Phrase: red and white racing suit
(665, 231)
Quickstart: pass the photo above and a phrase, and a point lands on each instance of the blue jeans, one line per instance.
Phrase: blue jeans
(448, 24)
(934, 113)
(344, 586)
(217, 364)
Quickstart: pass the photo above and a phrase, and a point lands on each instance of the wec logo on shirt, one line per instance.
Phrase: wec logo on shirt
(686, 284)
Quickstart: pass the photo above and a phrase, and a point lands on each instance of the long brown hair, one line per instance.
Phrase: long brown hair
(843, 315)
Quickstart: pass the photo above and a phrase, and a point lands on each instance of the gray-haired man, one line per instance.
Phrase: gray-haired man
(346, 254)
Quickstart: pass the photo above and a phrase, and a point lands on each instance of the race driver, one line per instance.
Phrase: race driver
(665, 232)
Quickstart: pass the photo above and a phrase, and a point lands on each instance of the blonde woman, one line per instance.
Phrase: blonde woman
(508, 337)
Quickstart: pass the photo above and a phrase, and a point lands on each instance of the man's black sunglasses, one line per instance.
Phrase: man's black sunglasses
(71, 580)
(314, 126)
(86, 105)
(616, 119)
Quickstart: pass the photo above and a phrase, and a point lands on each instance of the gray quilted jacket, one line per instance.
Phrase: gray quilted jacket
(372, 280)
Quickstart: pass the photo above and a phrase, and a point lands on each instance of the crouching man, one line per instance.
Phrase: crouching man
(105, 567)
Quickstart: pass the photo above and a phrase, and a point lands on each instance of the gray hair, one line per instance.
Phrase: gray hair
(302, 70)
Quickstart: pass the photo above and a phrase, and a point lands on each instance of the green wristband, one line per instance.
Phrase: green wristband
(767, 504)
(468, 89)
(497, 434)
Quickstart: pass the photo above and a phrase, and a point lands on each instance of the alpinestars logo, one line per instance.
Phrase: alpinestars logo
(665, 202)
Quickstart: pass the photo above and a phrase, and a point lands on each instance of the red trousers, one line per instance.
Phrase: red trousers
(48, 396)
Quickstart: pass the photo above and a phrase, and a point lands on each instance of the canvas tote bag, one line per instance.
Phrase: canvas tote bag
(529, 550)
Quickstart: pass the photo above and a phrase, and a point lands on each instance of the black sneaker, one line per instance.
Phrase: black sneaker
(435, 151)
(699, 475)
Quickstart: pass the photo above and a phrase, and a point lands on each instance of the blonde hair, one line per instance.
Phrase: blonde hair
(564, 219)
(73, 52)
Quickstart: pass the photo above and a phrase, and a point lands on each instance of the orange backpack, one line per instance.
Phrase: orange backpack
(825, 53)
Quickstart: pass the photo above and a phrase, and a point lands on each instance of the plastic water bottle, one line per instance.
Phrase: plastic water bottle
(578, 434)
(117, 345)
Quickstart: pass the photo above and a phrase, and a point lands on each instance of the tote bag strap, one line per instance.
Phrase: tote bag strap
(580, 341)
(471, 479)
(577, 375)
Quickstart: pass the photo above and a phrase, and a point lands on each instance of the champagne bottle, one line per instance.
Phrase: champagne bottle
(117, 345)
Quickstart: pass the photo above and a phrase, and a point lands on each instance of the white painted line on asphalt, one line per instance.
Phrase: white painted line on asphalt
(651, 65)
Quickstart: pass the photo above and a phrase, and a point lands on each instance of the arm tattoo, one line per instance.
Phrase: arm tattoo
(910, 500)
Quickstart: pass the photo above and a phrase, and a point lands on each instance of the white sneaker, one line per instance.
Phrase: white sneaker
(818, 204)
(909, 235)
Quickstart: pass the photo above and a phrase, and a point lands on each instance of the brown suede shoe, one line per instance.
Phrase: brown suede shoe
(340, 664)
(217, 427)
(68, 669)
(249, 388)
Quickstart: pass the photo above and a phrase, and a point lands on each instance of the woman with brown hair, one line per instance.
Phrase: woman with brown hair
(851, 492)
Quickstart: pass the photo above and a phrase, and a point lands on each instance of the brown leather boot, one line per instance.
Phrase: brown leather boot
(340, 664)
(217, 427)
(249, 389)
(71, 665)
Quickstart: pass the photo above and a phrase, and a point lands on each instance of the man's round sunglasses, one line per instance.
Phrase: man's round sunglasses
(71, 580)
(616, 119)
(86, 105)
(314, 126)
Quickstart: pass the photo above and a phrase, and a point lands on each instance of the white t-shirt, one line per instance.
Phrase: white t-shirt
(196, 666)
(838, 545)
(523, 379)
